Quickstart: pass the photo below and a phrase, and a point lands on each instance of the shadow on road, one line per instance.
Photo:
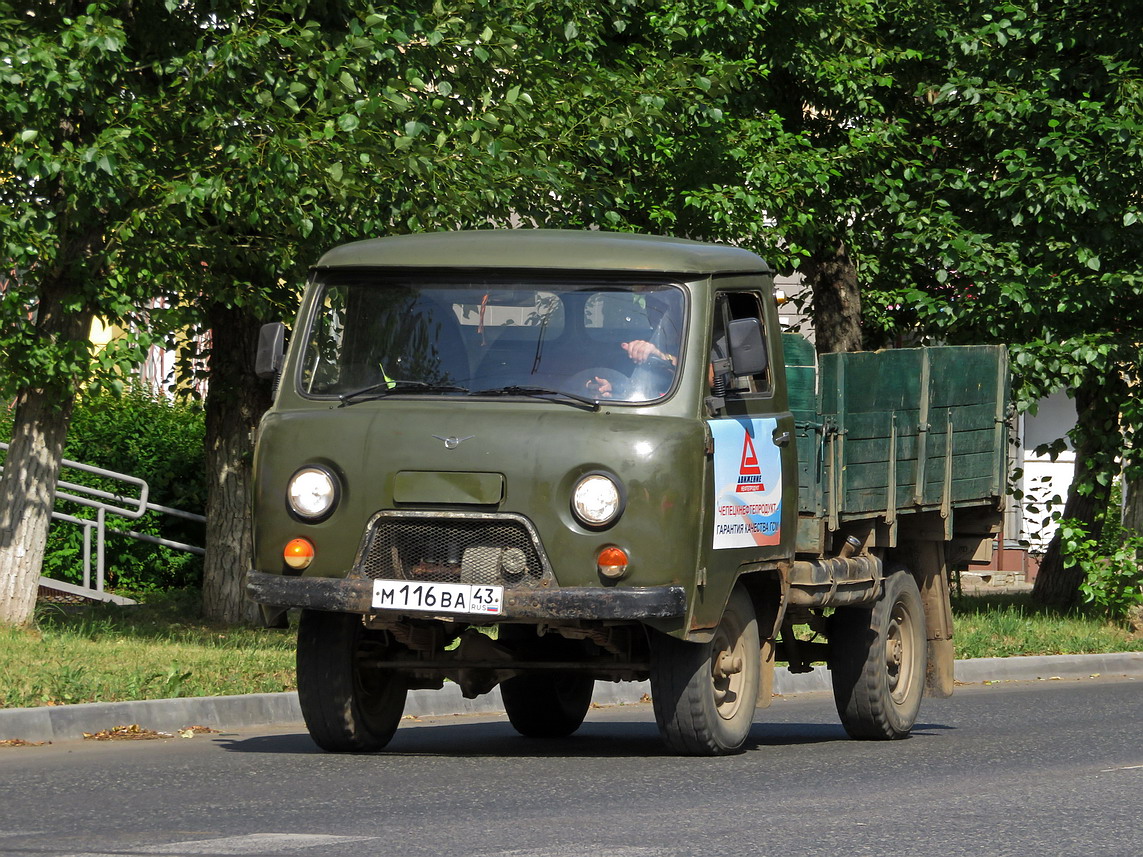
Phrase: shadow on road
(594, 740)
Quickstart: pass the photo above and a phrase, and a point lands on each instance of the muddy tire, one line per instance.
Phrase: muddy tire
(704, 694)
(877, 661)
(547, 705)
(347, 706)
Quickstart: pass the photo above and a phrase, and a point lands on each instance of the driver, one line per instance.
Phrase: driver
(654, 358)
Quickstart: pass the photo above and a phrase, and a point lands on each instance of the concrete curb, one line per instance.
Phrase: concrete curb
(1048, 667)
(68, 722)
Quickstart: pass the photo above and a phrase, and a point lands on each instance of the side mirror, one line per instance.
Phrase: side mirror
(747, 347)
(271, 350)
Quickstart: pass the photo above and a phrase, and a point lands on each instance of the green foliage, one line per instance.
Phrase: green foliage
(151, 438)
(1113, 579)
(1023, 208)
(1112, 533)
(76, 178)
(978, 163)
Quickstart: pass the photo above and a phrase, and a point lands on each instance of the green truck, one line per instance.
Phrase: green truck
(536, 459)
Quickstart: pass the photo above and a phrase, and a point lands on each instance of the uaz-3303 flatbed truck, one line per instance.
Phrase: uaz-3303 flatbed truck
(602, 446)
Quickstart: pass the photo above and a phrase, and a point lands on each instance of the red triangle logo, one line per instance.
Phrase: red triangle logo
(749, 465)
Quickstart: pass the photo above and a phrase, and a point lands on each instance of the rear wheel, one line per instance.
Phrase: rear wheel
(349, 704)
(704, 694)
(547, 705)
(877, 661)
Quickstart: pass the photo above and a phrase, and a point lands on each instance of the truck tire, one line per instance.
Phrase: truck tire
(704, 694)
(547, 705)
(347, 706)
(877, 661)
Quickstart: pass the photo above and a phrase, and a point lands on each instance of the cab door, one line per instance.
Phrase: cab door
(754, 463)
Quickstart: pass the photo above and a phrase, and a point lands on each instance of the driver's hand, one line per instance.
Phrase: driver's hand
(640, 351)
(600, 386)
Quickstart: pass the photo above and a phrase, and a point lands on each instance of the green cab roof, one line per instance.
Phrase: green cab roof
(545, 249)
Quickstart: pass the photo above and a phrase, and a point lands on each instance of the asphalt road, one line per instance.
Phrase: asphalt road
(1045, 768)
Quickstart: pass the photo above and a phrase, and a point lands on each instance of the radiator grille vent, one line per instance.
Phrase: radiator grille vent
(483, 550)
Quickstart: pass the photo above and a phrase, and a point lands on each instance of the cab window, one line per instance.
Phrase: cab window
(731, 306)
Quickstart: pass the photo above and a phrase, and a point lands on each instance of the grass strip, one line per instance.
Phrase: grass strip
(162, 649)
(1002, 626)
(156, 650)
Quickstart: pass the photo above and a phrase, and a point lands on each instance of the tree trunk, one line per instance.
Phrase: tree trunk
(27, 495)
(832, 277)
(1056, 585)
(31, 469)
(235, 402)
(1097, 440)
(1133, 505)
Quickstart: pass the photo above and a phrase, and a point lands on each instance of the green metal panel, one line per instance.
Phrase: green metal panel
(539, 452)
(415, 486)
(801, 389)
(912, 429)
(801, 375)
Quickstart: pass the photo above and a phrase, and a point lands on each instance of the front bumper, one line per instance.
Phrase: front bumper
(355, 595)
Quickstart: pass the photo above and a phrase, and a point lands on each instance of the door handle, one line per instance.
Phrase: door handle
(781, 439)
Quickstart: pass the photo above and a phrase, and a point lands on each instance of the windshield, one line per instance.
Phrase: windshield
(376, 332)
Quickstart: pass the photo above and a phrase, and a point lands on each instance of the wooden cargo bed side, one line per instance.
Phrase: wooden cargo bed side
(903, 432)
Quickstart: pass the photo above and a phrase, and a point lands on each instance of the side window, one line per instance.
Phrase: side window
(322, 359)
(732, 306)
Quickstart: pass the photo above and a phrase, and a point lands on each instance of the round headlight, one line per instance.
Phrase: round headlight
(596, 500)
(312, 492)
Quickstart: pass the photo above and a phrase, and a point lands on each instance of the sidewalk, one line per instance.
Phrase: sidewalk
(68, 722)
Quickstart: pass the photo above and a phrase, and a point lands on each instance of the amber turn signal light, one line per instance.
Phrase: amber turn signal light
(299, 553)
(612, 562)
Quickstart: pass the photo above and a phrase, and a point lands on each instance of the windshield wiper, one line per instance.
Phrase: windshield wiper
(394, 386)
(550, 395)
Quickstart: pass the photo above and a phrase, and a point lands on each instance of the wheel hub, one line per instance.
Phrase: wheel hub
(893, 653)
(898, 653)
(727, 665)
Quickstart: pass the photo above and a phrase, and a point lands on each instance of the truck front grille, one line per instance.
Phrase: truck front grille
(452, 548)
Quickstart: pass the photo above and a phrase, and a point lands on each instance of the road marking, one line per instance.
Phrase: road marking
(580, 850)
(1124, 768)
(254, 843)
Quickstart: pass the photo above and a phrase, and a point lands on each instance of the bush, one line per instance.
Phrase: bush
(1113, 574)
(154, 439)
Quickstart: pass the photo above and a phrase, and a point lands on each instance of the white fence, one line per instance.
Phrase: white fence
(119, 505)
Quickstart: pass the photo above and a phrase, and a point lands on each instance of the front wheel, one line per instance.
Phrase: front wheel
(877, 661)
(349, 703)
(704, 694)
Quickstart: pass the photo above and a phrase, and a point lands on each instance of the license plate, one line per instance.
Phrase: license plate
(409, 596)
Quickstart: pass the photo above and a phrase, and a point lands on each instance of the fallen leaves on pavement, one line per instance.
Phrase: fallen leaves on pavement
(191, 731)
(132, 732)
(135, 732)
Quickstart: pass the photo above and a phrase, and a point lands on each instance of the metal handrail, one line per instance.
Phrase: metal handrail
(131, 508)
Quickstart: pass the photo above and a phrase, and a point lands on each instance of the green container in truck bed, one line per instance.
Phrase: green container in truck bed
(893, 433)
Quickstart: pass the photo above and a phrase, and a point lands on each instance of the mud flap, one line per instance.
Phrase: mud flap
(939, 669)
(766, 679)
(931, 568)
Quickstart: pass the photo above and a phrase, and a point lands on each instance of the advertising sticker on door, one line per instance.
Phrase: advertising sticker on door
(747, 483)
